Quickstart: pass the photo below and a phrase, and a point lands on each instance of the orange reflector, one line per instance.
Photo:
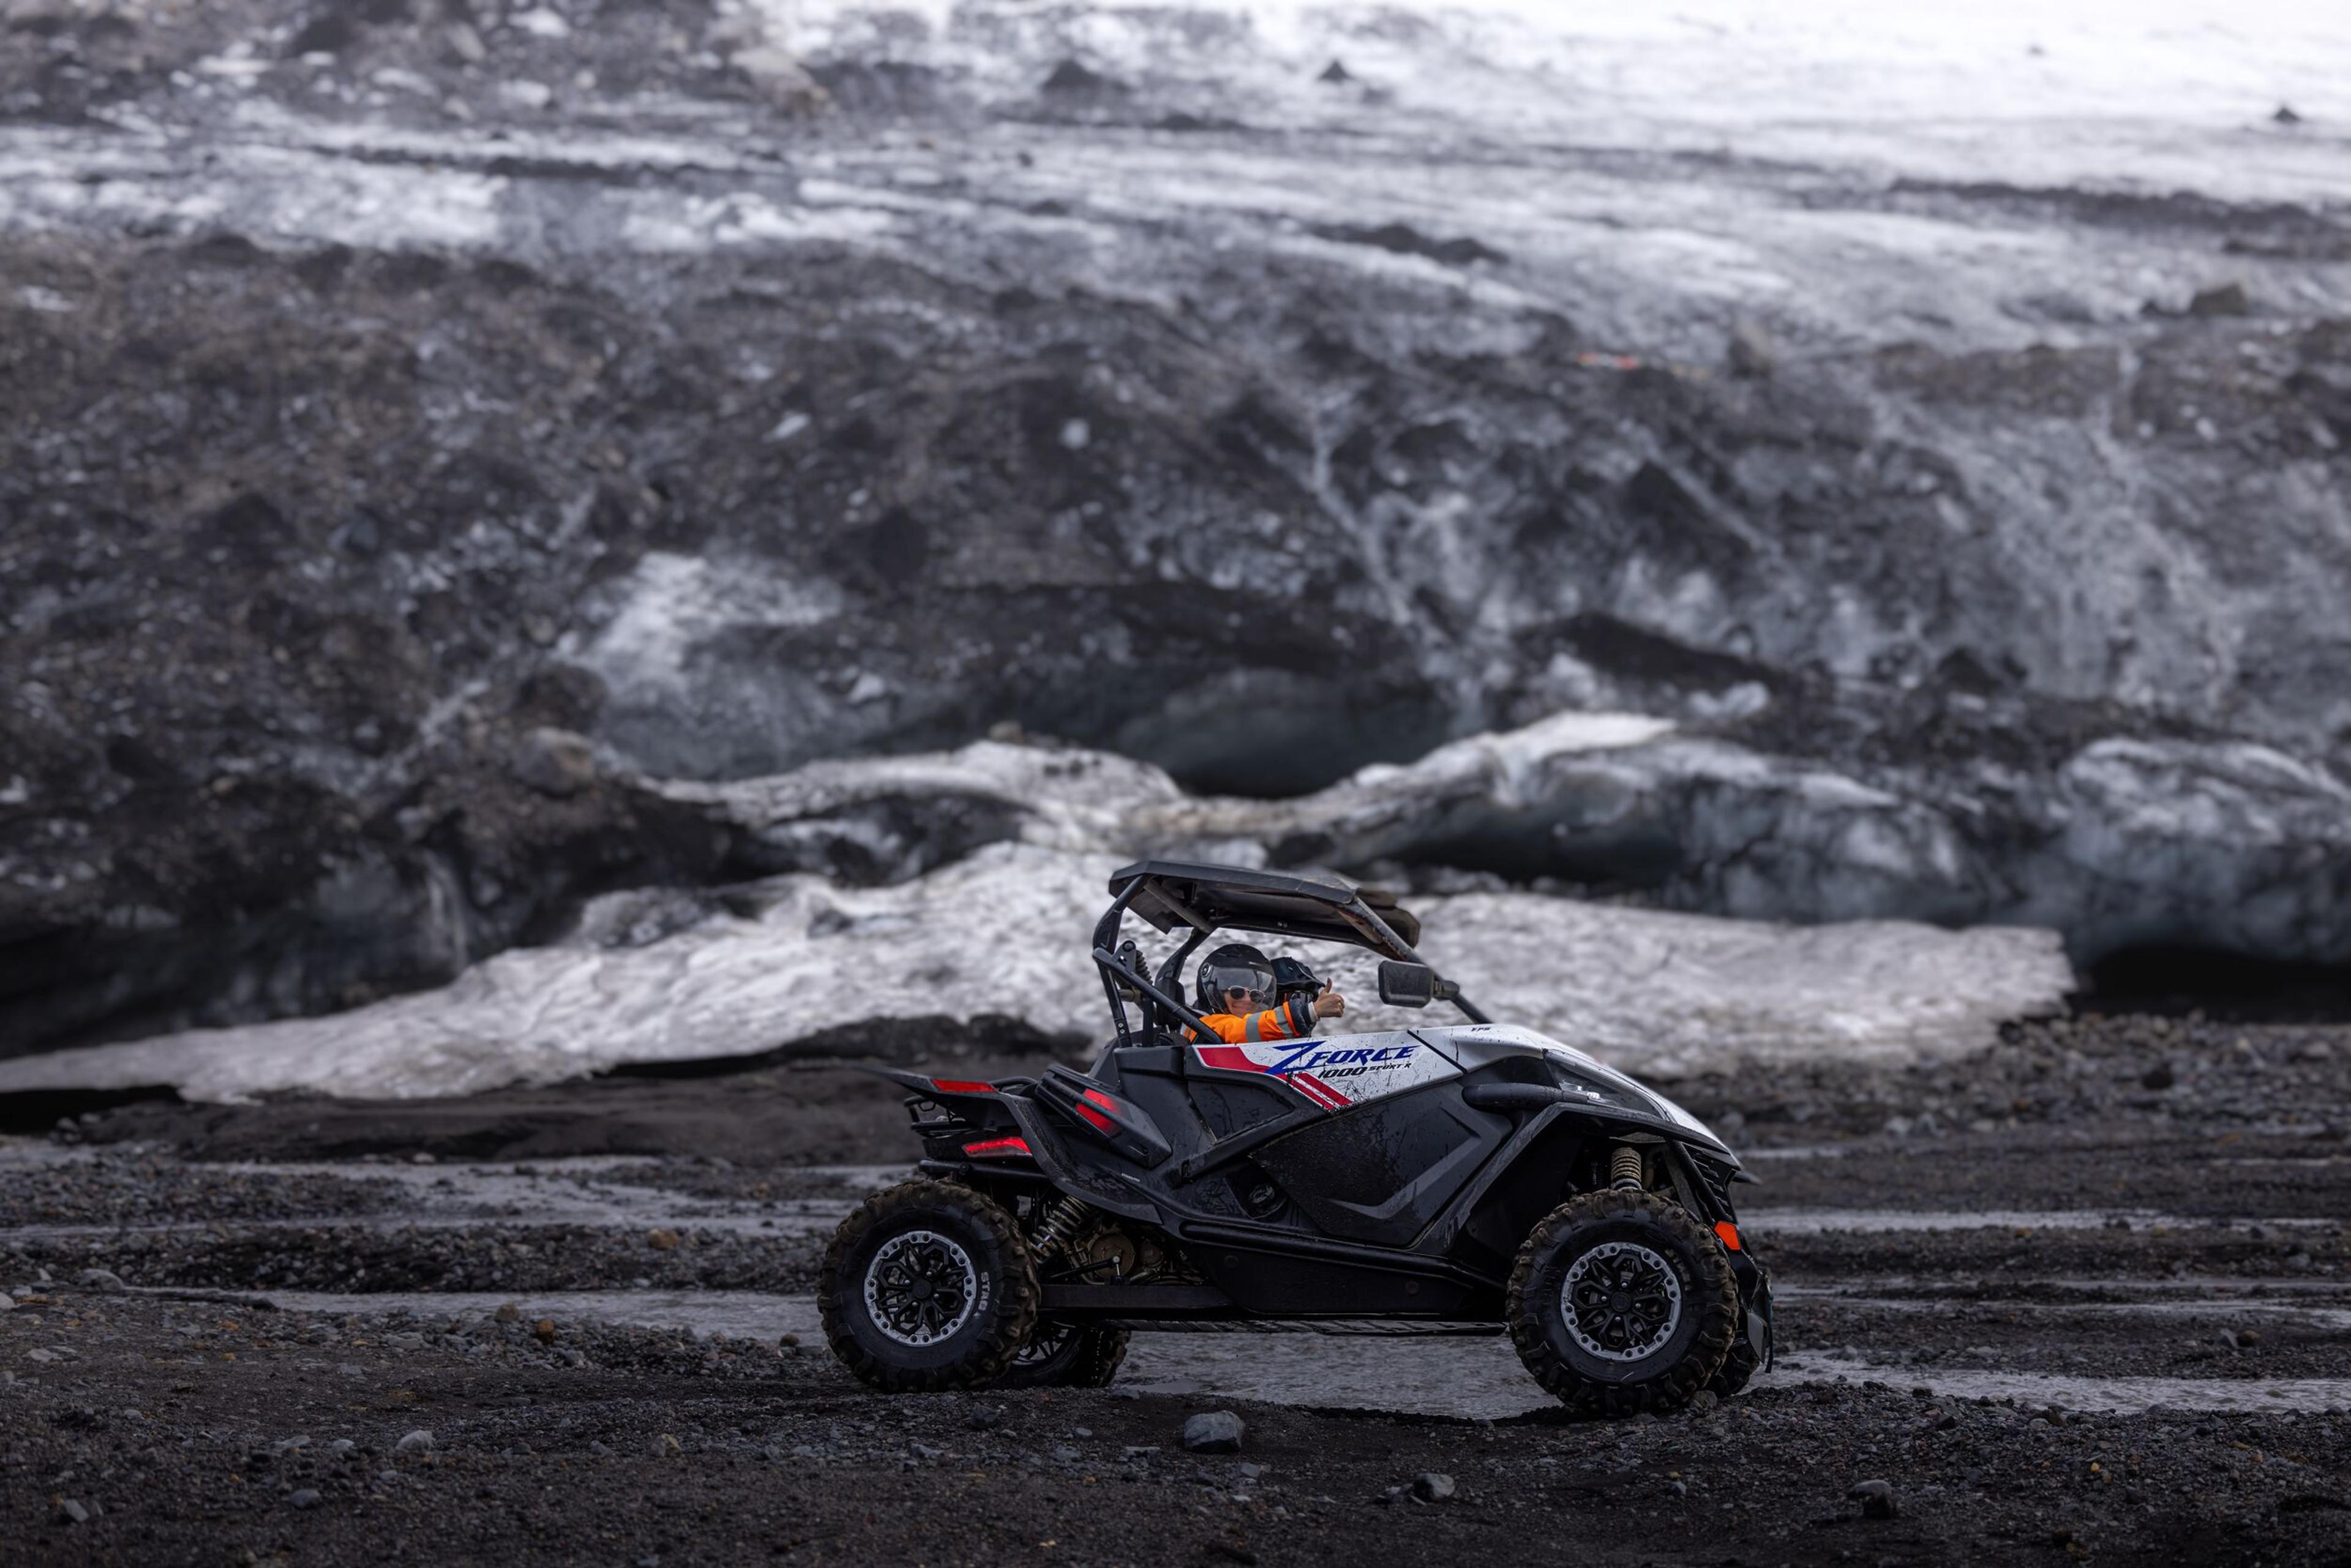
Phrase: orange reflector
(1729, 1232)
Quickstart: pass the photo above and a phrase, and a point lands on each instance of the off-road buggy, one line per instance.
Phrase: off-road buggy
(1469, 1178)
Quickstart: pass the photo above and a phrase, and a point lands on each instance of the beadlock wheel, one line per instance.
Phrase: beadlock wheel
(927, 1285)
(1621, 1301)
(921, 1288)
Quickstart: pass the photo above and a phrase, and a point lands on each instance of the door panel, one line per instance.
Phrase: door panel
(1381, 1172)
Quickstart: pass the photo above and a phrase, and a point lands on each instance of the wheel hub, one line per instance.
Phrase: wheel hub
(1621, 1301)
(921, 1288)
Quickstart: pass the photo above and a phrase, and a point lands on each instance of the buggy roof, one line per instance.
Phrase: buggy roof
(1204, 897)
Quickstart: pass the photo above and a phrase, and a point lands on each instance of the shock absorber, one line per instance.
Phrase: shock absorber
(1061, 1222)
(1627, 1170)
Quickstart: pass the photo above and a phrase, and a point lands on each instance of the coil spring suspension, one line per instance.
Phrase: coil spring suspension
(1627, 1170)
(1061, 1222)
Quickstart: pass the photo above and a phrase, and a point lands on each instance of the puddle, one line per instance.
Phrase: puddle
(2035, 1389)
(740, 1314)
(586, 1191)
(1467, 1378)
(1769, 1222)
(2236, 1310)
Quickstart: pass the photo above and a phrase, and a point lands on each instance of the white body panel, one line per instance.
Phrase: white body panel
(1342, 1072)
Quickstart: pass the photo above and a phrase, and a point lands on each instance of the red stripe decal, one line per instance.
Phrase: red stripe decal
(1101, 1124)
(962, 1086)
(1320, 1091)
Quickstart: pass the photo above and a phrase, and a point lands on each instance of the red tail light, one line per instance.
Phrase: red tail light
(1729, 1232)
(962, 1086)
(997, 1149)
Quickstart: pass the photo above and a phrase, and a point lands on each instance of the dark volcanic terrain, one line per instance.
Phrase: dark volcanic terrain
(2084, 1296)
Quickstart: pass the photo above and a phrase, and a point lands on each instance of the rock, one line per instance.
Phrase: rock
(1703, 1400)
(1876, 1499)
(419, 1441)
(100, 1280)
(2247, 1339)
(1432, 1487)
(556, 762)
(543, 1331)
(1750, 352)
(781, 76)
(73, 1512)
(302, 1498)
(984, 1419)
(2220, 299)
(1072, 79)
(1066, 1454)
(2285, 115)
(1335, 74)
(667, 1447)
(341, 1447)
(404, 1341)
(424, 1157)
(2159, 1078)
(507, 1312)
(466, 43)
(1213, 1432)
(662, 1240)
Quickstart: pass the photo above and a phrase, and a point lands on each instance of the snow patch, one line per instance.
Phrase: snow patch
(1005, 932)
(671, 603)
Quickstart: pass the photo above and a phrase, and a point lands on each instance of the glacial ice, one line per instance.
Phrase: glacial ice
(1002, 931)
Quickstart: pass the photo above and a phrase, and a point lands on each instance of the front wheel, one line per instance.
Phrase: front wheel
(927, 1286)
(1621, 1302)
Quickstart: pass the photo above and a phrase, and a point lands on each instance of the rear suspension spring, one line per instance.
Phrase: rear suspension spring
(1627, 1170)
(1061, 1222)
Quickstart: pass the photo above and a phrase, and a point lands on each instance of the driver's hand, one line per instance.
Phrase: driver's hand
(1330, 1004)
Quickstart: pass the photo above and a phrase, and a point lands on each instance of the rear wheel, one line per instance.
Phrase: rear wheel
(927, 1286)
(1062, 1354)
(1621, 1302)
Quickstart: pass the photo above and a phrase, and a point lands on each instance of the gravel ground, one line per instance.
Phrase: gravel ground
(1960, 1246)
(186, 1432)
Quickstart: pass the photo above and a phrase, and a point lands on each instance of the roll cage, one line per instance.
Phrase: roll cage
(1205, 899)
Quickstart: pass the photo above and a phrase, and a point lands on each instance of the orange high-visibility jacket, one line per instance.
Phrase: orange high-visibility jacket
(1294, 1020)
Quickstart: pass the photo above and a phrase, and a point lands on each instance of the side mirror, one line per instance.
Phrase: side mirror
(1407, 985)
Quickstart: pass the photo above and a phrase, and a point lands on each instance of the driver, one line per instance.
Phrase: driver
(1239, 998)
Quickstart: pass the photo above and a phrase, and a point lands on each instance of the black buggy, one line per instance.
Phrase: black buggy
(1468, 1178)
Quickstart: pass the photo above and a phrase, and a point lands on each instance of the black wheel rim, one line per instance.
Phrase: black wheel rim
(1049, 1341)
(921, 1288)
(1621, 1301)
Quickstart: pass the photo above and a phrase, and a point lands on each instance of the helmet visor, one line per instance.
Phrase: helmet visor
(1234, 983)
